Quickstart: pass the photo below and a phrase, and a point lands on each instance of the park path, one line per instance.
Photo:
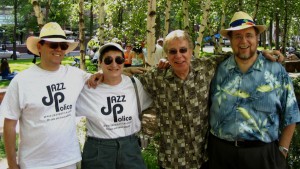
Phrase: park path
(3, 164)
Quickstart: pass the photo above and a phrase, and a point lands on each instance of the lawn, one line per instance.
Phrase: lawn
(22, 64)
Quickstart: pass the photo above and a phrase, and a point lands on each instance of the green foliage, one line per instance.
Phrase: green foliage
(296, 84)
(2, 149)
(150, 153)
(294, 151)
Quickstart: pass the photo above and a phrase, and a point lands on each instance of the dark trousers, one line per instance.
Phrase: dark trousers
(120, 153)
(225, 155)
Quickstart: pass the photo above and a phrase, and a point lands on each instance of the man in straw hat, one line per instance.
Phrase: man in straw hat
(42, 98)
(252, 99)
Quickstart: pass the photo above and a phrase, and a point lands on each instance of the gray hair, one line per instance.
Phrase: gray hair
(177, 34)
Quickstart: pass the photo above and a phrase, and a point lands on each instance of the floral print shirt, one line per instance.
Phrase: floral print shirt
(254, 105)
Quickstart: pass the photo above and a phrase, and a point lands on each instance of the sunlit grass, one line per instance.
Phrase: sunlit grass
(22, 64)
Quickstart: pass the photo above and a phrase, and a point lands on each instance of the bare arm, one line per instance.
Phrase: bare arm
(10, 143)
(286, 136)
(273, 55)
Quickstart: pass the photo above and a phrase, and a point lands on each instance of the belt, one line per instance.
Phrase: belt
(241, 143)
(133, 136)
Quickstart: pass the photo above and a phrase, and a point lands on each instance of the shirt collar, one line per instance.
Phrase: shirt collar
(258, 64)
(170, 72)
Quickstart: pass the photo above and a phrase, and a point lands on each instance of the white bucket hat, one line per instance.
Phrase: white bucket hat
(239, 21)
(51, 32)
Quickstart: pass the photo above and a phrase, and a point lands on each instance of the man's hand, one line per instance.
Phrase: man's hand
(163, 64)
(273, 55)
(130, 71)
(95, 80)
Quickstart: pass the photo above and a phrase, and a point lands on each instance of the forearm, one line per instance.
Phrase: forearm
(286, 136)
(10, 143)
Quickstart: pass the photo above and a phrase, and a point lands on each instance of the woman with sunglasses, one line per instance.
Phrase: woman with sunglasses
(112, 115)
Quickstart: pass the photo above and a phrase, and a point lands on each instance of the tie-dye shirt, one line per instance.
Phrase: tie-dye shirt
(254, 105)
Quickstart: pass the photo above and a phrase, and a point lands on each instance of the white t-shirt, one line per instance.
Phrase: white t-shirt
(44, 103)
(111, 111)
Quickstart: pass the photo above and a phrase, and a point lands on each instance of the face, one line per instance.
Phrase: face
(52, 53)
(244, 43)
(112, 64)
(128, 48)
(179, 55)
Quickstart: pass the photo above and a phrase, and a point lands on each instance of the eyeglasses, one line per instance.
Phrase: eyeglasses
(108, 60)
(62, 45)
(174, 51)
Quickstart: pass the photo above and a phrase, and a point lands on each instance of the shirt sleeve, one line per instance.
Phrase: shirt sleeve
(10, 106)
(290, 110)
(145, 98)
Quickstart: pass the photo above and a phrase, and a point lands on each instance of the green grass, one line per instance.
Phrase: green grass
(22, 64)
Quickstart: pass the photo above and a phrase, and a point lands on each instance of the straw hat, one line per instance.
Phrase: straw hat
(239, 21)
(50, 32)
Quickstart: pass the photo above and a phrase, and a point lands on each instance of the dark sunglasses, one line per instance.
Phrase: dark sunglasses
(108, 60)
(174, 51)
(62, 45)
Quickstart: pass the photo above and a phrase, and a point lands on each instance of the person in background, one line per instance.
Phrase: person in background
(5, 70)
(254, 110)
(127, 55)
(112, 115)
(42, 99)
(137, 56)
(159, 52)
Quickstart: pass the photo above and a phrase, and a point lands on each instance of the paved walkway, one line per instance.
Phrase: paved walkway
(3, 164)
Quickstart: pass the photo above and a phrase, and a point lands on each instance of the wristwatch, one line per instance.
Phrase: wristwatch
(283, 149)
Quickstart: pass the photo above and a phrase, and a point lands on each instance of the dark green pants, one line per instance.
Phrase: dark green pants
(121, 153)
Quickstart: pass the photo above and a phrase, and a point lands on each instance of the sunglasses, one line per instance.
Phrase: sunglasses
(174, 51)
(119, 60)
(62, 45)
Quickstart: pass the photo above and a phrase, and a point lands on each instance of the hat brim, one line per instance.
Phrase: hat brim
(32, 41)
(224, 32)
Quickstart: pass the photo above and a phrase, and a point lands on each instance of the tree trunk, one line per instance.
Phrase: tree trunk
(271, 33)
(240, 5)
(47, 8)
(167, 18)
(219, 50)
(206, 8)
(285, 27)
(185, 6)
(81, 34)
(277, 31)
(15, 29)
(255, 9)
(91, 20)
(151, 15)
(38, 13)
(101, 21)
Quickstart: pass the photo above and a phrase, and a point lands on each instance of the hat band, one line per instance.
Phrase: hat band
(241, 22)
(54, 36)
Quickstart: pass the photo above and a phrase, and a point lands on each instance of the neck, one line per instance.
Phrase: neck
(182, 74)
(112, 80)
(245, 65)
(47, 67)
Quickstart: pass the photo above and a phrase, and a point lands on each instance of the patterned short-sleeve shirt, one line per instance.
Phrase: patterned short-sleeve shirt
(182, 112)
(252, 105)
